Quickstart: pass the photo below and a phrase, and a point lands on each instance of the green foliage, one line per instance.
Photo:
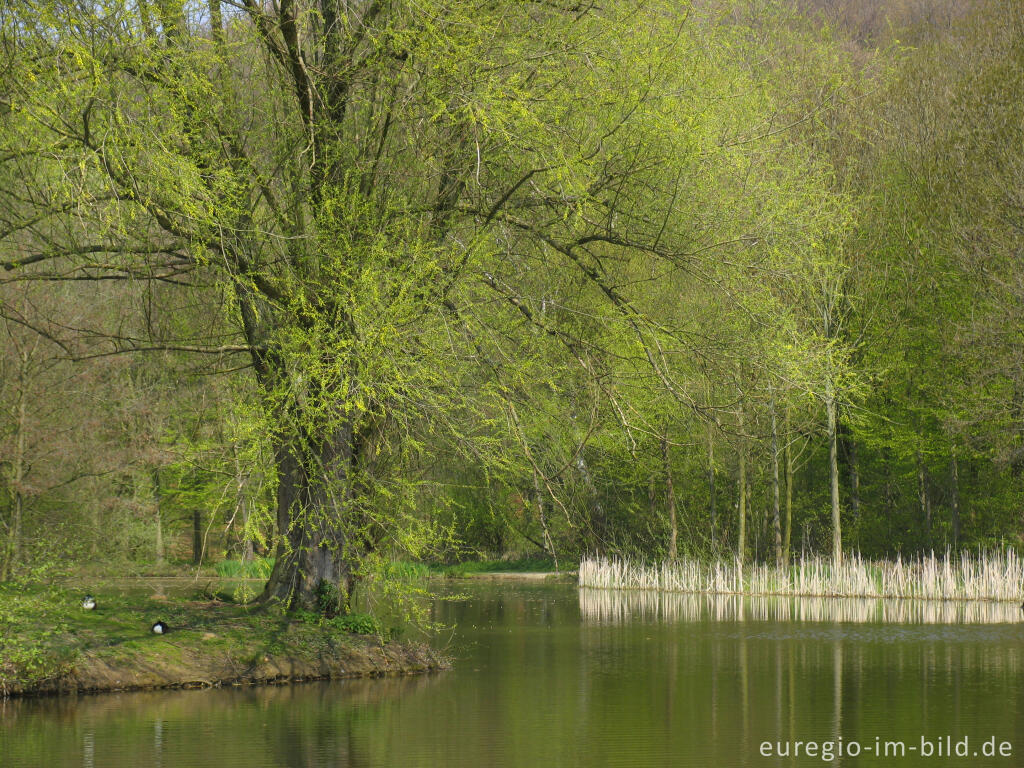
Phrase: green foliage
(518, 279)
(356, 624)
(259, 568)
(351, 623)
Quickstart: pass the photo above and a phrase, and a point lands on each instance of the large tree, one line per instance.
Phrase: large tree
(373, 188)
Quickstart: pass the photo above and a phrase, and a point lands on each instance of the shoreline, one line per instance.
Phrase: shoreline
(93, 673)
(50, 646)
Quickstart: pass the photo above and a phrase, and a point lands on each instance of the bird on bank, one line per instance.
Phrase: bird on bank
(159, 628)
(89, 603)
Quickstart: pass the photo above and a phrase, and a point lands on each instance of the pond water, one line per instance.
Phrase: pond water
(550, 675)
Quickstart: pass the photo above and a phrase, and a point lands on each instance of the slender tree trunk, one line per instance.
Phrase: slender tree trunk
(954, 481)
(160, 554)
(741, 543)
(755, 520)
(788, 533)
(13, 553)
(197, 536)
(652, 496)
(242, 481)
(854, 479)
(94, 514)
(711, 488)
(890, 504)
(247, 553)
(216, 21)
(673, 550)
(833, 471)
(776, 511)
(538, 497)
(922, 495)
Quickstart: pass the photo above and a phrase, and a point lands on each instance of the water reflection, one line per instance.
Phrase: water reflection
(609, 606)
(547, 675)
(313, 724)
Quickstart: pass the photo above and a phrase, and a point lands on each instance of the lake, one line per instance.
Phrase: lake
(547, 674)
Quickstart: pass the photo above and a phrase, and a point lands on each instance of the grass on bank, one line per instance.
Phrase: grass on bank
(46, 636)
(988, 576)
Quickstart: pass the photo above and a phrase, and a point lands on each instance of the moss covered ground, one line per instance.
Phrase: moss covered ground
(50, 644)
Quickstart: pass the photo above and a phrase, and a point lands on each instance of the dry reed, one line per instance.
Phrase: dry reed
(990, 576)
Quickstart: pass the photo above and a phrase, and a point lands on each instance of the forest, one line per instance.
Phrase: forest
(325, 286)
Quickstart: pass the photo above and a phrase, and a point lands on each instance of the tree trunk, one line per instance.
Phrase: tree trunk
(711, 487)
(954, 478)
(247, 553)
(652, 496)
(216, 21)
(598, 522)
(313, 569)
(833, 471)
(741, 543)
(538, 498)
(242, 481)
(788, 534)
(197, 536)
(854, 479)
(160, 554)
(922, 496)
(673, 550)
(776, 512)
(18, 500)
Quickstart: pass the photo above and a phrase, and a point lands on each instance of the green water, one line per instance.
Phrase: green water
(547, 675)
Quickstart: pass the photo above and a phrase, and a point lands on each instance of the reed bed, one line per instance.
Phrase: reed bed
(605, 606)
(994, 576)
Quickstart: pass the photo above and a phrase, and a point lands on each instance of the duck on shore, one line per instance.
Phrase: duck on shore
(89, 603)
(159, 628)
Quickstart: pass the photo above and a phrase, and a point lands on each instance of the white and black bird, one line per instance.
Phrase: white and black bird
(159, 628)
(89, 603)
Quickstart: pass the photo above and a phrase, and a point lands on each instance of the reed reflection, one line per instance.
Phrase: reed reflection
(609, 606)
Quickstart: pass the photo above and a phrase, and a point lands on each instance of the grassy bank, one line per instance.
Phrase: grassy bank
(991, 576)
(49, 644)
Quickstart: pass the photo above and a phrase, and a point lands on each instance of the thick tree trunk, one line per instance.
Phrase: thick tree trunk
(313, 569)
(673, 547)
(833, 471)
(776, 511)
